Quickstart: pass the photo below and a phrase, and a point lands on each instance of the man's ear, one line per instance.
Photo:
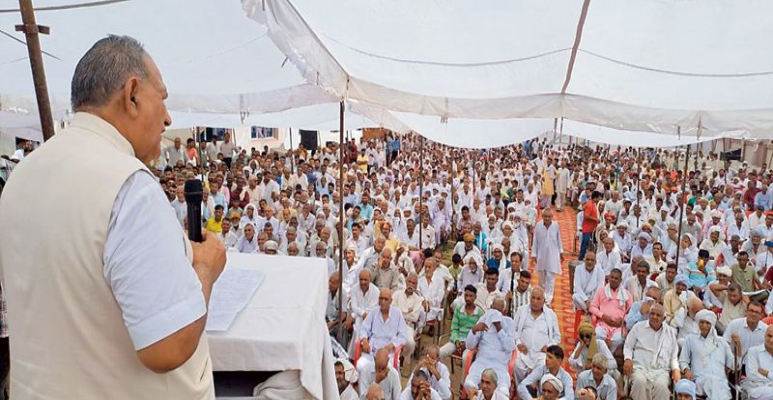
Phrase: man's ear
(130, 90)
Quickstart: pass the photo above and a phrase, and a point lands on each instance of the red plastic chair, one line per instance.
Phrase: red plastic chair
(577, 319)
(470, 357)
(396, 357)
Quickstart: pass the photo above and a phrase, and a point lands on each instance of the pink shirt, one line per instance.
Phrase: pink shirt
(603, 305)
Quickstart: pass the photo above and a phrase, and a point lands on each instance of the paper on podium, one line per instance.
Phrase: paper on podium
(230, 294)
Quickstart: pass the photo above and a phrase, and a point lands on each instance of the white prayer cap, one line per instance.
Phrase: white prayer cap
(473, 256)
(270, 245)
(726, 271)
(507, 224)
(706, 315)
(553, 381)
(350, 373)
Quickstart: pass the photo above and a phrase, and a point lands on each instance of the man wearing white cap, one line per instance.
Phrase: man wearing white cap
(552, 387)
(685, 390)
(643, 246)
(346, 375)
(623, 240)
(704, 358)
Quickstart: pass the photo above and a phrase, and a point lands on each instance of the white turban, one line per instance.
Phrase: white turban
(726, 271)
(473, 256)
(555, 382)
(712, 340)
(350, 373)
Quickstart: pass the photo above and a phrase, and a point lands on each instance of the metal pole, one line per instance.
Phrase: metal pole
(31, 30)
(681, 205)
(341, 222)
(421, 188)
(292, 154)
(453, 206)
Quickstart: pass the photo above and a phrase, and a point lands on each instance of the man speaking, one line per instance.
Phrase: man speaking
(106, 297)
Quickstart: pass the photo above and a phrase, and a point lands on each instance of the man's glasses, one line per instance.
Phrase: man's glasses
(586, 336)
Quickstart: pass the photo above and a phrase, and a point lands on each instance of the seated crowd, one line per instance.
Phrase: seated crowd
(670, 291)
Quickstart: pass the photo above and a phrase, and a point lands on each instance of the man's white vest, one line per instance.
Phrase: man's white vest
(67, 334)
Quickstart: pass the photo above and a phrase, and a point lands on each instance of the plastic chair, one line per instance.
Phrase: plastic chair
(470, 357)
(578, 314)
(396, 357)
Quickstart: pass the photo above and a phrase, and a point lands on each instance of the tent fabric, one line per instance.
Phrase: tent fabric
(481, 134)
(211, 56)
(648, 66)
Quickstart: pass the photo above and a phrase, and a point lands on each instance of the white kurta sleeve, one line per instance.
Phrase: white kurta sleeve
(146, 265)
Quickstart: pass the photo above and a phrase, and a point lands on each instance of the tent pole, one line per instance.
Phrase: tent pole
(681, 204)
(292, 155)
(421, 187)
(32, 30)
(453, 207)
(340, 221)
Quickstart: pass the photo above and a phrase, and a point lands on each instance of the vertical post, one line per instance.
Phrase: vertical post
(453, 206)
(31, 30)
(681, 204)
(421, 188)
(292, 156)
(341, 221)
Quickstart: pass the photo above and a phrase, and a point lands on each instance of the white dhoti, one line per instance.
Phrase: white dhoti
(650, 385)
(476, 369)
(579, 303)
(410, 344)
(761, 393)
(547, 280)
(525, 363)
(715, 387)
(285, 385)
(560, 199)
(616, 340)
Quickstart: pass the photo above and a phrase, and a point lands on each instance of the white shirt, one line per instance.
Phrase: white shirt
(748, 337)
(146, 266)
(643, 345)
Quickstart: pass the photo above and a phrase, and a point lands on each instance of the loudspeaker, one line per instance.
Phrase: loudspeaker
(309, 139)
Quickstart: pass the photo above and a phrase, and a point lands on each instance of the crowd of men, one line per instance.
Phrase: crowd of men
(656, 312)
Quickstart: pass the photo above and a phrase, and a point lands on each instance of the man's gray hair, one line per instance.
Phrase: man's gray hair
(105, 68)
(491, 374)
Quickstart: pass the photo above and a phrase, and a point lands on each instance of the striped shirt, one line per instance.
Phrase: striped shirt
(520, 300)
(462, 323)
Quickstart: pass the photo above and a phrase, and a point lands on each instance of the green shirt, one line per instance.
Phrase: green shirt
(462, 323)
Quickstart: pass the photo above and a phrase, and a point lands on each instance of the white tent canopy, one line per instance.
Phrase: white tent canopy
(646, 66)
(215, 61)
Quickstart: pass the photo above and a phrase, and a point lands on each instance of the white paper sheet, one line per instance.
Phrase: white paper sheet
(231, 293)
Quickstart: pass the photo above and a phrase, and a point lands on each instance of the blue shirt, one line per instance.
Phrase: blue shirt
(635, 316)
(492, 263)
(366, 211)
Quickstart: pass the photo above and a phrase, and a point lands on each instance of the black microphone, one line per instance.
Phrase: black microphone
(194, 194)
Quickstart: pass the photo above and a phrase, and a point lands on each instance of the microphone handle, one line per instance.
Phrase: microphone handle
(194, 222)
